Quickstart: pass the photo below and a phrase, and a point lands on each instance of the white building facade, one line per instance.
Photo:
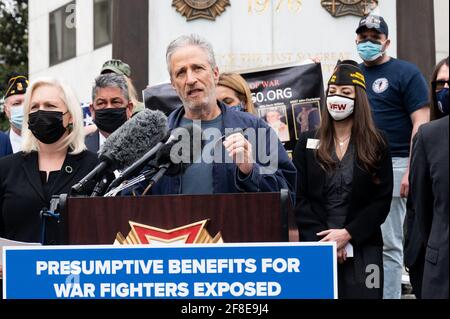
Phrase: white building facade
(249, 34)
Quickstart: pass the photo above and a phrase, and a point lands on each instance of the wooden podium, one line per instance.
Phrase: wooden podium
(247, 217)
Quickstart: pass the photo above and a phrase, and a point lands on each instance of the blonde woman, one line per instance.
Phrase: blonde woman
(233, 90)
(53, 158)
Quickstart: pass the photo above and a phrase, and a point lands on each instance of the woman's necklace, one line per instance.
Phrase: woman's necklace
(341, 146)
(342, 142)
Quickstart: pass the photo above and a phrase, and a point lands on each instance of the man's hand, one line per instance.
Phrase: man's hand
(240, 150)
(341, 255)
(340, 236)
(404, 187)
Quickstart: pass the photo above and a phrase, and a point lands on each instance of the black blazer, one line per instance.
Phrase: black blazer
(92, 142)
(22, 196)
(370, 203)
(429, 185)
(415, 244)
(5, 145)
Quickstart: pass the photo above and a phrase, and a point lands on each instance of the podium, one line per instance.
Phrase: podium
(246, 217)
(245, 270)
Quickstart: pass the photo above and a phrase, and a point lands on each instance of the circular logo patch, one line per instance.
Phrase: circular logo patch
(380, 85)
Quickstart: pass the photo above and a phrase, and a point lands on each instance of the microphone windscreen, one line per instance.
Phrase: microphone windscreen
(134, 138)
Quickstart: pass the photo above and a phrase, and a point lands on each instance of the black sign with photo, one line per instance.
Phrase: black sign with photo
(288, 99)
(162, 97)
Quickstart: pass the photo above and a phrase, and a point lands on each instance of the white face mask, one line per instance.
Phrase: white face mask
(340, 107)
(17, 116)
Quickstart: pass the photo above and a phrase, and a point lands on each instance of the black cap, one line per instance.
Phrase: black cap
(348, 73)
(373, 22)
(17, 84)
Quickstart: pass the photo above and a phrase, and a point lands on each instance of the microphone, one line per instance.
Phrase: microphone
(127, 144)
(173, 162)
(166, 162)
(102, 185)
(106, 161)
(139, 165)
(186, 152)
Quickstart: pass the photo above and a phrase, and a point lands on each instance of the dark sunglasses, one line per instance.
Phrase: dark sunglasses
(440, 85)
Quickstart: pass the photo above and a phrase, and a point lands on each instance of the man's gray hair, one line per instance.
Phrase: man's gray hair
(190, 40)
(110, 80)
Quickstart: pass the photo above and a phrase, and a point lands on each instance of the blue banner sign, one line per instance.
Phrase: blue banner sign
(229, 271)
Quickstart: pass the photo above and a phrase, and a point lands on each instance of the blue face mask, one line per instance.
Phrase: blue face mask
(370, 51)
(442, 100)
(239, 107)
(17, 116)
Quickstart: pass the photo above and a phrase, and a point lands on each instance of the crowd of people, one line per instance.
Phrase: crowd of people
(373, 160)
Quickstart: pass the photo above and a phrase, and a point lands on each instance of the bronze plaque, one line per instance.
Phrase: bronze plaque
(200, 9)
(339, 8)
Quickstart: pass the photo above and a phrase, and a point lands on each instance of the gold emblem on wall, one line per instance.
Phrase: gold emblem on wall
(200, 9)
(339, 8)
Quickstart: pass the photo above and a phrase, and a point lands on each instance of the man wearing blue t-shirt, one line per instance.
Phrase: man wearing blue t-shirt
(398, 96)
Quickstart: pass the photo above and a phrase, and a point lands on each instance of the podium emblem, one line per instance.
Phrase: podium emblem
(195, 233)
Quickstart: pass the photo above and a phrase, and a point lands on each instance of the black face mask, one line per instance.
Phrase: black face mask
(47, 126)
(109, 120)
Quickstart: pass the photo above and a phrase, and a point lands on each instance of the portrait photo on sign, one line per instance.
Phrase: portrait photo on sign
(306, 117)
(276, 117)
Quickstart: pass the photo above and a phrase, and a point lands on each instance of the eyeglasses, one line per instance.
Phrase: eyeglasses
(440, 85)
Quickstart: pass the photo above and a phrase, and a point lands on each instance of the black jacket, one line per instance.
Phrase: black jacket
(92, 141)
(22, 196)
(5, 145)
(370, 203)
(429, 184)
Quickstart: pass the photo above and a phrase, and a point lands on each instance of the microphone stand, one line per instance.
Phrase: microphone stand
(127, 184)
(57, 204)
(156, 177)
(136, 167)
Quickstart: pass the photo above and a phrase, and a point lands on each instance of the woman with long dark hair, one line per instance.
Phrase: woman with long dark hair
(345, 184)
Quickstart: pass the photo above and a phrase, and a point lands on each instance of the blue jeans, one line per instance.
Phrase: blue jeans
(392, 231)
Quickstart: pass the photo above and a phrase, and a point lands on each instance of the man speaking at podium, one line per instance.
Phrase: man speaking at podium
(242, 153)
